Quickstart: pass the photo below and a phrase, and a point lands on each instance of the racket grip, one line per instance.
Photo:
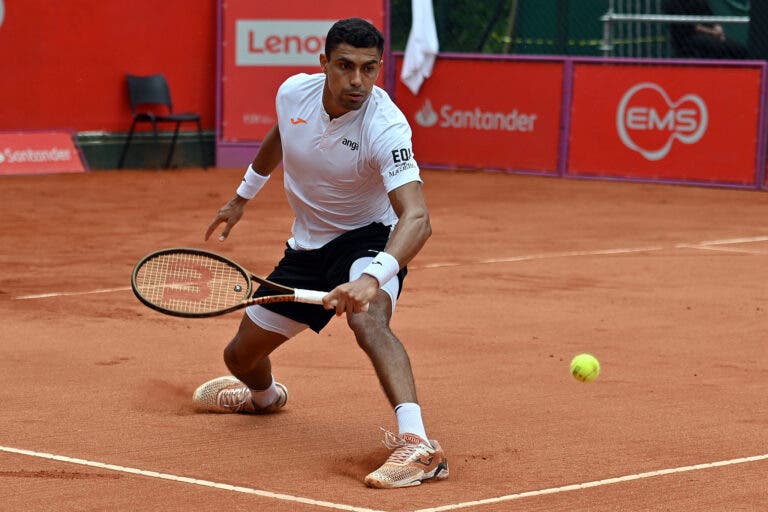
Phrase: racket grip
(308, 296)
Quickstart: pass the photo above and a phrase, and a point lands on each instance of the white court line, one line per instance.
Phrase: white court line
(543, 256)
(736, 240)
(596, 483)
(64, 294)
(529, 257)
(708, 245)
(717, 249)
(187, 480)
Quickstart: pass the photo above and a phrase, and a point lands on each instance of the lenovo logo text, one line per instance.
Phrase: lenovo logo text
(280, 42)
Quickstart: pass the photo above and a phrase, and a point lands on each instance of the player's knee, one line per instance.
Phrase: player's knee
(360, 323)
(370, 320)
(369, 330)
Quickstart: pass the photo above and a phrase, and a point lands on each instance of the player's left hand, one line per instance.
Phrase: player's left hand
(352, 297)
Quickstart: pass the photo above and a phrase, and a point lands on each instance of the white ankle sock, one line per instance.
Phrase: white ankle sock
(409, 420)
(265, 397)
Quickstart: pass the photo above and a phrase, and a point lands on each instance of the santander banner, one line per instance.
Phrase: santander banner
(676, 123)
(263, 44)
(38, 153)
(486, 114)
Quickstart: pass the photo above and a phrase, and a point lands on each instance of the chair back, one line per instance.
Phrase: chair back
(148, 90)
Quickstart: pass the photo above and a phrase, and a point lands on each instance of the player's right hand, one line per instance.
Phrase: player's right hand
(352, 297)
(230, 214)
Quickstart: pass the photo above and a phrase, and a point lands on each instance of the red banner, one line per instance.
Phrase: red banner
(38, 153)
(666, 122)
(266, 42)
(43, 46)
(486, 114)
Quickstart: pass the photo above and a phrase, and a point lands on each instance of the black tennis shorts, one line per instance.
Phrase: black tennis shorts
(324, 269)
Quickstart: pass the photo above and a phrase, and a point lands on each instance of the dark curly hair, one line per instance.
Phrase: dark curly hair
(354, 32)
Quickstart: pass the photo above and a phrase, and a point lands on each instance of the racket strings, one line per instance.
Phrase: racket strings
(191, 283)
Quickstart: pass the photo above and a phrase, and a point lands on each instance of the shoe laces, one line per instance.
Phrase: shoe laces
(403, 449)
(235, 398)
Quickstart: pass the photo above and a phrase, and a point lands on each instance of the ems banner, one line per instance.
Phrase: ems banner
(263, 43)
(686, 123)
(38, 153)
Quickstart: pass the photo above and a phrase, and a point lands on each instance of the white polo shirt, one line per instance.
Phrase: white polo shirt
(338, 172)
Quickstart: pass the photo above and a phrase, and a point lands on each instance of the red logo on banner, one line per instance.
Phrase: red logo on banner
(681, 126)
(648, 121)
(264, 43)
(38, 153)
(280, 42)
(517, 129)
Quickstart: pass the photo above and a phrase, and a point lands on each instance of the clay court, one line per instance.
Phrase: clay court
(666, 285)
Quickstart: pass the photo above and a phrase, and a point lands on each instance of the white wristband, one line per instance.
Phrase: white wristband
(383, 267)
(251, 184)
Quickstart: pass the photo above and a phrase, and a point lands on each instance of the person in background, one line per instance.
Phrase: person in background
(700, 40)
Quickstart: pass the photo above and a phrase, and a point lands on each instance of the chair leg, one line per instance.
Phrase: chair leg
(125, 146)
(200, 142)
(157, 136)
(173, 146)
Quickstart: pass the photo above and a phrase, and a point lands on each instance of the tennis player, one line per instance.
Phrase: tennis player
(360, 217)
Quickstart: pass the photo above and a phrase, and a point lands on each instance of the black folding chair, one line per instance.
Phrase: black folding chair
(151, 103)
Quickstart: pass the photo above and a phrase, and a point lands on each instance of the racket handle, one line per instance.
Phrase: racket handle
(308, 296)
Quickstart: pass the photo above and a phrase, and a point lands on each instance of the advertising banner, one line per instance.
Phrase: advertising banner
(686, 123)
(263, 43)
(38, 153)
(493, 114)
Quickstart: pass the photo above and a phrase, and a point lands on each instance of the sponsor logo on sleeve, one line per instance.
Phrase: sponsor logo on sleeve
(648, 121)
(403, 160)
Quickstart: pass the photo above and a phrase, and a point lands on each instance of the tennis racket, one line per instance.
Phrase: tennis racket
(194, 283)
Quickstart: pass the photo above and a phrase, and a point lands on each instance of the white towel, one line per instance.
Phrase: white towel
(422, 46)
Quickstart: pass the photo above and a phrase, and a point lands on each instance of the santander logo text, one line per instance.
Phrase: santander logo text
(280, 42)
(648, 121)
(35, 155)
(475, 119)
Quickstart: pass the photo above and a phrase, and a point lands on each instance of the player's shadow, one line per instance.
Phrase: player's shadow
(159, 395)
(355, 465)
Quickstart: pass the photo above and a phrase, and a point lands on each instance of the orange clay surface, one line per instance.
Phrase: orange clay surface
(666, 285)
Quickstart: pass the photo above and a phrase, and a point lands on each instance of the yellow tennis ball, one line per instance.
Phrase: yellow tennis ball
(585, 367)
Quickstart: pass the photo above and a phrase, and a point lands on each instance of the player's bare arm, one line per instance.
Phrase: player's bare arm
(413, 227)
(409, 236)
(270, 154)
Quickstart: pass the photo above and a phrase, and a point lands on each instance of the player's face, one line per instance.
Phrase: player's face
(349, 77)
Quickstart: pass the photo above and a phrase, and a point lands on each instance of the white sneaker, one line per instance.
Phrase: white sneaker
(227, 394)
(414, 461)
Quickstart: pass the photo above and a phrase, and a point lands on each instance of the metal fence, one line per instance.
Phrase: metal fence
(642, 28)
(618, 28)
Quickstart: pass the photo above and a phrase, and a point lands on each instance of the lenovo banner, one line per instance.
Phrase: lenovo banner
(38, 153)
(493, 114)
(263, 43)
(686, 123)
